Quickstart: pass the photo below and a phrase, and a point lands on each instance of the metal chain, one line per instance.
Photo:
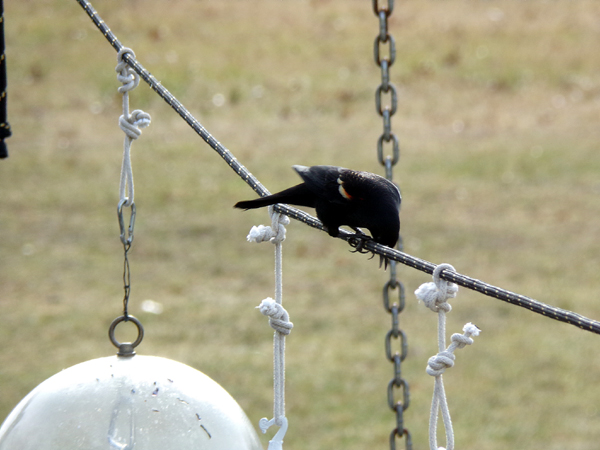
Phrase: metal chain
(126, 240)
(397, 390)
(126, 349)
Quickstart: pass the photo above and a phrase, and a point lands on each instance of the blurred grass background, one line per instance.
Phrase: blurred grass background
(498, 122)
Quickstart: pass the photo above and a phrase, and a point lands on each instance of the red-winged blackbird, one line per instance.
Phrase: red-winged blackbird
(343, 197)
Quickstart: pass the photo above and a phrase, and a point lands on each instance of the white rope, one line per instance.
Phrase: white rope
(275, 233)
(279, 320)
(435, 295)
(131, 124)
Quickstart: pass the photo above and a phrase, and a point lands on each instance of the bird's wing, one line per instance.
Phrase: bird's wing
(368, 187)
(324, 181)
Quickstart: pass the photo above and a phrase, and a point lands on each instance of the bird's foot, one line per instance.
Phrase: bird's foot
(358, 241)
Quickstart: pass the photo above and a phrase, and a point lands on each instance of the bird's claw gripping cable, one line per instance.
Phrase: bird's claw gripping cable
(358, 241)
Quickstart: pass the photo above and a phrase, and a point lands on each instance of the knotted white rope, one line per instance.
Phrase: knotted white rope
(279, 320)
(435, 295)
(131, 124)
(275, 233)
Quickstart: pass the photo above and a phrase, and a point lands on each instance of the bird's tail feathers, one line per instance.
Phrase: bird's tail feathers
(298, 195)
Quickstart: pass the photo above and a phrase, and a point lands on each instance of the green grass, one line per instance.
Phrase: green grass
(498, 124)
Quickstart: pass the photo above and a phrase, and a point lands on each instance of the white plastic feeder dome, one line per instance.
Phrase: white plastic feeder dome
(134, 402)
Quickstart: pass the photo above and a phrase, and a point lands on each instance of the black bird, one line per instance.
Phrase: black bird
(343, 197)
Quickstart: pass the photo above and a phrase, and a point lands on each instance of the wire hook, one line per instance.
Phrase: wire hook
(126, 240)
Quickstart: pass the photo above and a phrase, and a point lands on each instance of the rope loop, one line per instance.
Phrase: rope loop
(125, 74)
(435, 295)
(131, 124)
(274, 233)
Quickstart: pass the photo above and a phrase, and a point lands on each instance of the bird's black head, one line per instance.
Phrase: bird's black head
(387, 235)
(385, 215)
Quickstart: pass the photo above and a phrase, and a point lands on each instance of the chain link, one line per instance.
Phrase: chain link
(386, 105)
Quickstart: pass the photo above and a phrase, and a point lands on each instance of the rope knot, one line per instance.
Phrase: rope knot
(125, 74)
(437, 365)
(435, 295)
(462, 340)
(279, 318)
(133, 122)
(263, 233)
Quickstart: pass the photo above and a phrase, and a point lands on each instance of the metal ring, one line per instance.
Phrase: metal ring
(117, 321)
